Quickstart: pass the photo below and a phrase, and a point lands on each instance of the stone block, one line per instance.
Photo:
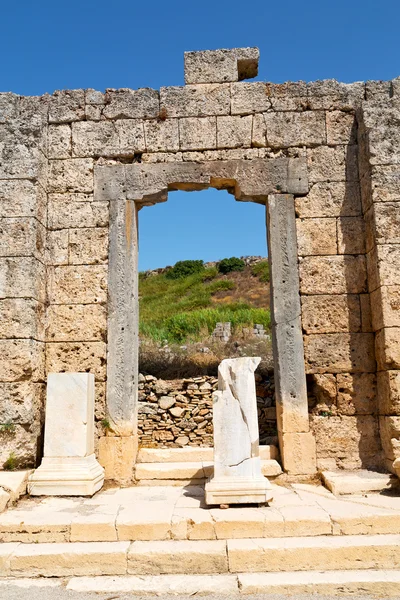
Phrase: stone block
(287, 96)
(67, 211)
(24, 444)
(383, 143)
(22, 277)
(285, 129)
(329, 164)
(339, 353)
(249, 98)
(59, 141)
(330, 94)
(386, 223)
(341, 128)
(196, 100)
(70, 356)
(21, 402)
(78, 284)
(57, 247)
(316, 236)
(387, 348)
(117, 455)
(333, 275)
(352, 441)
(21, 359)
(4, 498)
(161, 135)
(71, 175)
(356, 394)
(22, 236)
(383, 266)
(298, 452)
(259, 132)
(388, 386)
(22, 318)
(365, 305)
(22, 198)
(330, 200)
(323, 389)
(219, 66)
(351, 235)
(66, 106)
(74, 322)
(390, 436)
(15, 483)
(177, 556)
(88, 245)
(234, 132)
(8, 106)
(95, 139)
(386, 183)
(358, 482)
(386, 303)
(331, 314)
(198, 134)
(131, 104)
(131, 136)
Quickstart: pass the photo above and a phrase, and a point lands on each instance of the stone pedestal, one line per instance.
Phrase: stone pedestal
(69, 466)
(237, 468)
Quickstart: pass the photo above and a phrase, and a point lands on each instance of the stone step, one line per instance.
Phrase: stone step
(198, 471)
(359, 482)
(200, 557)
(192, 454)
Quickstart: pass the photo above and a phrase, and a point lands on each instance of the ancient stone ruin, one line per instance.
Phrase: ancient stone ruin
(323, 157)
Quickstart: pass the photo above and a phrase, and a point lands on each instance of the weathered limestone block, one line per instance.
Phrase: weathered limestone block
(69, 356)
(71, 175)
(352, 442)
(219, 66)
(8, 106)
(69, 466)
(386, 183)
(161, 135)
(388, 383)
(131, 104)
(59, 141)
(337, 163)
(330, 200)
(22, 198)
(341, 128)
(95, 139)
(196, 100)
(20, 155)
(351, 235)
(234, 132)
(259, 132)
(366, 318)
(21, 360)
(316, 236)
(385, 223)
(198, 134)
(390, 436)
(285, 129)
(330, 94)
(249, 98)
(322, 388)
(377, 90)
(331, 313)
(72, 322)
(131, 136)
(21, 402)
(333, 275)
(299, 450)
(237, 475)
(386, 303)
(22, 236)
(24, 443)
(387, 348)
(339, 353)
(356, 394)
(287, 96)
(22, 318)
(22, 277)
(66, 106)
(383, 143)
(383, 266)
(88, 245)
(57, 247)
(68, 211)
(78, 284)
(117, 455)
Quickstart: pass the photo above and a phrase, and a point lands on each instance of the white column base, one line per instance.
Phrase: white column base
(238, 490)
(72, 476)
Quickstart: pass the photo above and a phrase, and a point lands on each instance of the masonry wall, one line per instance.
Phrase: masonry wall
(54, 237)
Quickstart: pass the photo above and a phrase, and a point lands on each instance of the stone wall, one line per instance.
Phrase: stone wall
(176, 413)
(54, 233)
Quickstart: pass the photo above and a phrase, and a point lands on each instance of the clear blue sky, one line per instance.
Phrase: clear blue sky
(46, 46)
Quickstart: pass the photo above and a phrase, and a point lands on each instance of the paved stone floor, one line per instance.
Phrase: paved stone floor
(157, 513)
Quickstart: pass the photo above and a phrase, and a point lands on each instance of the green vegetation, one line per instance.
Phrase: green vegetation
(183, 268)
(227, 265)
(261, 270)
(11, 463)
(7, 427)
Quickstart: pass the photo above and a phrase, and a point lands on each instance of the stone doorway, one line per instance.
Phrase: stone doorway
(270, 182)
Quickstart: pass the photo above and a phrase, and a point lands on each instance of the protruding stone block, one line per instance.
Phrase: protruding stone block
(69, 466)
(219, 66)
(237, 466)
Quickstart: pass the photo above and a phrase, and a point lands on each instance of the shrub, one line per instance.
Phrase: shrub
(219, 285)
(261, 270)
(227, 265)
(11, 463)
(209, 273)
(183, 268)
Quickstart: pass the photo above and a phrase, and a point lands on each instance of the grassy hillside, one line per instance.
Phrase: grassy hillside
(187, 308)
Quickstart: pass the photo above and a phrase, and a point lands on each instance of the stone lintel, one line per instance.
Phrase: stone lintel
(220, 66)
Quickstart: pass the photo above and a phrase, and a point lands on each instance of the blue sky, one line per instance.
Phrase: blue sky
(85, 43)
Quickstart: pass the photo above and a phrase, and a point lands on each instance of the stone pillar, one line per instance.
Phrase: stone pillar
(237, 468)
(69, 466)
(297, 443)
